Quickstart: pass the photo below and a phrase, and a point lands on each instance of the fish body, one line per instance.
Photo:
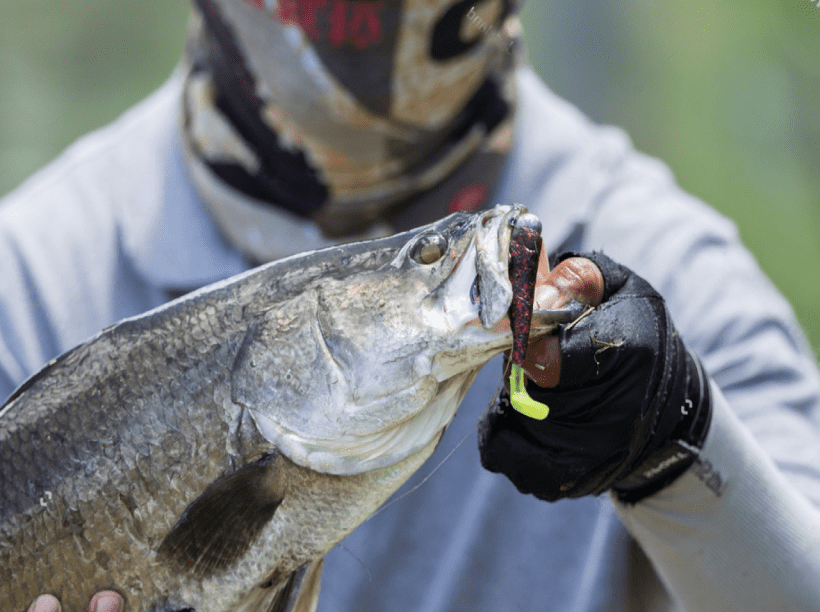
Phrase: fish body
(207, 454)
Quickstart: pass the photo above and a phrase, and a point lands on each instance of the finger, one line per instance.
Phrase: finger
(45, 603)
(575, 278)
(543, 271)
(106, 601)
(542, 362)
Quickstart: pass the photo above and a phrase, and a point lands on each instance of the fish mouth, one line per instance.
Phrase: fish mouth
(496, 266)
(492, 244)
(479, 292)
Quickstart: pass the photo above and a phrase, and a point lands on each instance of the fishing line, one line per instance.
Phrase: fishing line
(355, 556)
(442, 462)
(425, 479)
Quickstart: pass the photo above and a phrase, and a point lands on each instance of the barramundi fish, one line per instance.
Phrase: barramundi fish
(204, 456)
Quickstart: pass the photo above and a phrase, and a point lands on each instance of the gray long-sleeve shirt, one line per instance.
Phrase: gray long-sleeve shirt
(114, 226)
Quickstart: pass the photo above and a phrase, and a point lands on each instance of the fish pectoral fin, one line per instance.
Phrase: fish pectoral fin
(294, 592)
(301, 591)
(220, 525)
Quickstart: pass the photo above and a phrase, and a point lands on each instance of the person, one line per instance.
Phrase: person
(296, 124)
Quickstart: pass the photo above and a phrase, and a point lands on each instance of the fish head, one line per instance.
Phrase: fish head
(392, 348)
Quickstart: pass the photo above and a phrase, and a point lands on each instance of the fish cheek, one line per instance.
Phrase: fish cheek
(219, 527)
(279, 368)
(375, 360)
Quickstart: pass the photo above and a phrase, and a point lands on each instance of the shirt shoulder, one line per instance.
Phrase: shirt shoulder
(101, 233)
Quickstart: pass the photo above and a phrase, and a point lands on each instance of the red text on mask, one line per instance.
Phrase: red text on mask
(339, 22)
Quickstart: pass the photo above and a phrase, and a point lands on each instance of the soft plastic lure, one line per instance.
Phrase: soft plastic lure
(525, 248)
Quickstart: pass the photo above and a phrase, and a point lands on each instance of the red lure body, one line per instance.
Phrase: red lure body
(525, 249)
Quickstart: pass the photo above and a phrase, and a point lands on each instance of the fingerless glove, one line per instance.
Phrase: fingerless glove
(631, 410)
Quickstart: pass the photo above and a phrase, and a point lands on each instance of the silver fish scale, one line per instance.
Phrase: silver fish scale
(158, 432)
(93, 496)
(107, 453)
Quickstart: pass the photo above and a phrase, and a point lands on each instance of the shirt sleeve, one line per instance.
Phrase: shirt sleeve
(732, 533)
(726, 310)
(740, 530)
(106, 231)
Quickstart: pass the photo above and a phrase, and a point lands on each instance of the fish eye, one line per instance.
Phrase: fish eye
(429, 249)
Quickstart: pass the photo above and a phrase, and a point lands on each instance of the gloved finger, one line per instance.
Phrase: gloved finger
(542, 362)
(575, 278)
(543, 271)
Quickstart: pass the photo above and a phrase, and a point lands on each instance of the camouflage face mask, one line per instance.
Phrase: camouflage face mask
(346, 113)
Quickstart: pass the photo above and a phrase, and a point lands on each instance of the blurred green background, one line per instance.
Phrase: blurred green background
(727, 93)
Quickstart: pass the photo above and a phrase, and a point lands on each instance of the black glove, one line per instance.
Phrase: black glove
(630, 413)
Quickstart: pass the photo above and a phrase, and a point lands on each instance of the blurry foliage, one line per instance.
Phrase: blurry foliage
(727, 93)
(70, 66)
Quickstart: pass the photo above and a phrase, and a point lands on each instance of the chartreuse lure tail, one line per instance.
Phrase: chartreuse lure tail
(521, 400)
(525, 247)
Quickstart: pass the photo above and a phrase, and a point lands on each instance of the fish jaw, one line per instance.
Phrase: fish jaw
(353, 454)
(398, 371)
(470, 309)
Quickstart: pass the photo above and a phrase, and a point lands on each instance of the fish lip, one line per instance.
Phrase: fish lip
(485, 263)
(492, 263)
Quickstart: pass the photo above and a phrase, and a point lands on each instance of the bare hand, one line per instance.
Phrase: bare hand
(104, 601)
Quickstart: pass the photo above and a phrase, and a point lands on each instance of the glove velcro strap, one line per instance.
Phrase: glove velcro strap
(665, 464)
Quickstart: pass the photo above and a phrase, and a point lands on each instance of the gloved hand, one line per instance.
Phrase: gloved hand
(629, 404)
